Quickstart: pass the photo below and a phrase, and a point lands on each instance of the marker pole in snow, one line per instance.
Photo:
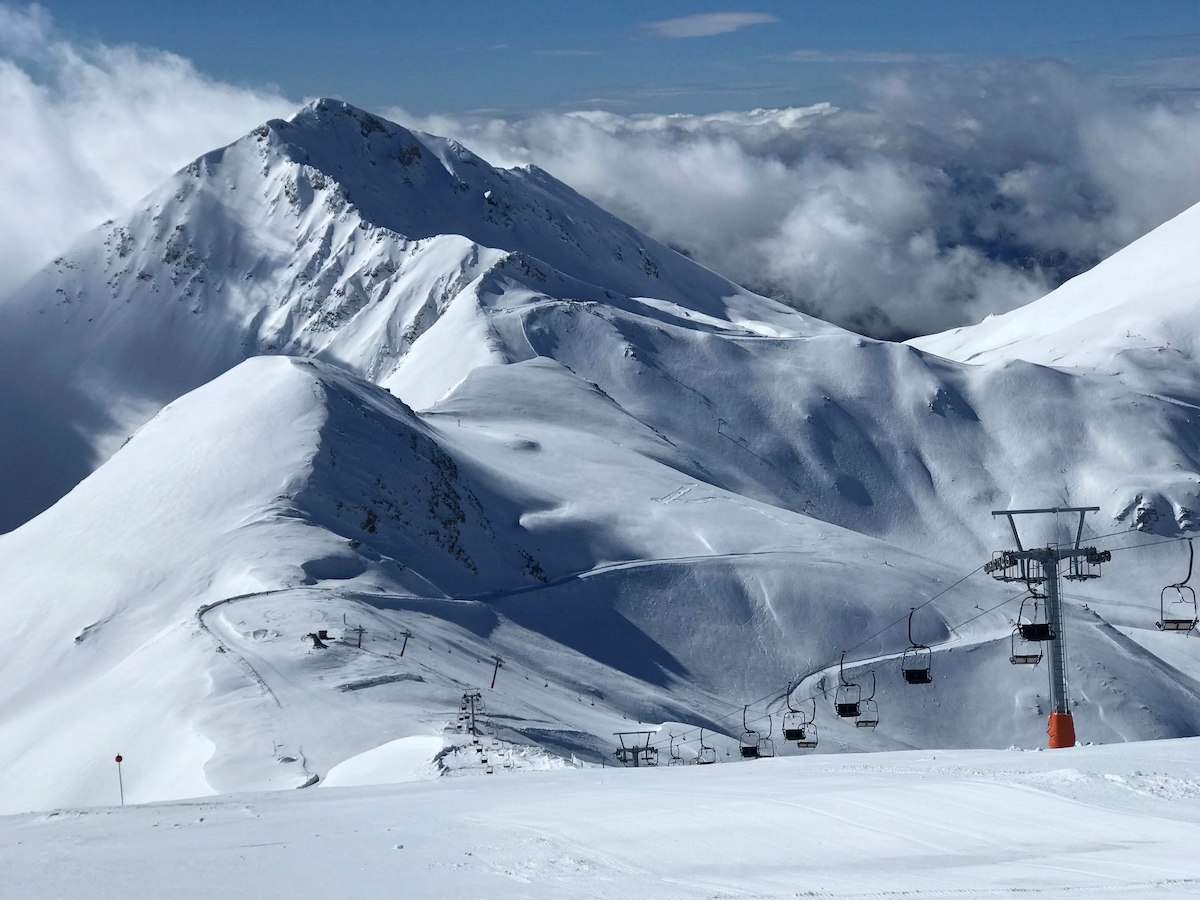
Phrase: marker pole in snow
(1039, 566)
(120, 780)
(406, 634)
(499, 662)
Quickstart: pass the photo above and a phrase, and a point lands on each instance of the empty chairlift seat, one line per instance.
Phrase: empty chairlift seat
(1177, 611)
(917, 663)
(868, 716)
(847, 700)
(750, 739)
(799, 725)
(1032, 622)
(766, 746)
(1024, 653)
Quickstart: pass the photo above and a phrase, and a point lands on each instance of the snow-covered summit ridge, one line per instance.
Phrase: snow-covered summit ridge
(422, 186)
(335, 234)
(1132, 315)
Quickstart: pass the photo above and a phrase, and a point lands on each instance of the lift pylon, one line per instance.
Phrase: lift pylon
(1039, 566)
(635, 750)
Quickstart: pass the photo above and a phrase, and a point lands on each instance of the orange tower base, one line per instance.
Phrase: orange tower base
(1061, 731)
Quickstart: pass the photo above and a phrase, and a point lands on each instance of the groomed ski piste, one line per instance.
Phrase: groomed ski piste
(357, 470)
(1102, 821)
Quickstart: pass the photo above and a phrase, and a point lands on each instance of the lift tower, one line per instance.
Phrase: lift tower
(1040, 567)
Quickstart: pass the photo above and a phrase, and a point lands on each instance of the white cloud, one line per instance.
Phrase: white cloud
(952, 193)
(854, 56)
(708, 24)
(568, 54)
(90, 129)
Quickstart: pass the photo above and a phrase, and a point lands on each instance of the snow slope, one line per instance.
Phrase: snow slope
(1133, 315)
(552, 529)
(1116, 821)
(479, 409)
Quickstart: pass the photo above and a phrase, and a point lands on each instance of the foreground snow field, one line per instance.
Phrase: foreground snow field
(1116, 820)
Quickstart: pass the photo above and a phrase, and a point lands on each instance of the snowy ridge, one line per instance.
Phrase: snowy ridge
(389, 386)
(1134, 311)
(334, 234)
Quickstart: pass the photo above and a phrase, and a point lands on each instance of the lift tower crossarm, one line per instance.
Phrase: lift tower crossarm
(1054, 510)
(1062, 729)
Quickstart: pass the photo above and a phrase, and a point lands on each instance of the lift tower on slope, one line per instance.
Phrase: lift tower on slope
(1039, 567)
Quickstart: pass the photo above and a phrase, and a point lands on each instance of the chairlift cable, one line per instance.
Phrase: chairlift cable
(867, 670)
(774, 696)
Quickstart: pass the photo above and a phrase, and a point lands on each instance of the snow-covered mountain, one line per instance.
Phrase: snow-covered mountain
(334, 234)
(1133, 315)
(409, 391)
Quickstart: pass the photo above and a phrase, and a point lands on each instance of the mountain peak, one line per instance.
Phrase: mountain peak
(332, 133)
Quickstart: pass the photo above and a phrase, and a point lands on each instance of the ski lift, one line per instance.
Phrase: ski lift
(1024, 653)
(1183, 616)
(637, 750)
(869, 716)
(916, 664)
(766, 746)
(750, 739)
(809, 741)
(676, 759)
(1031, 620)
(847, 699)
(707, 755)
(796, 721)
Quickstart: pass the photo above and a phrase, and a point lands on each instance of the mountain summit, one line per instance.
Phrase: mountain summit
(334, 234)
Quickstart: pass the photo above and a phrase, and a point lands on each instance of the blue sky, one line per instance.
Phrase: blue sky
(459, 56)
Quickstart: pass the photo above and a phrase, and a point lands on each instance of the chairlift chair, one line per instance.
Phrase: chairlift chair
(766, 746)
(1031, 620)
(676, 759)
(1024, 653)
(707, 755)
(917, 663)
(809, 740)
(796, 721)
(868, 717)
(1183, 612)
(847, 700)
(749, 742)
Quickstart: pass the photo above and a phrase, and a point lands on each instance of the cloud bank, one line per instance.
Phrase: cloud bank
(90, 129)
(951, 193)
